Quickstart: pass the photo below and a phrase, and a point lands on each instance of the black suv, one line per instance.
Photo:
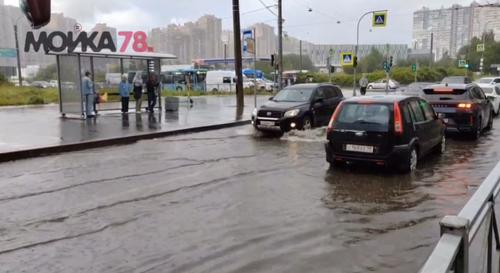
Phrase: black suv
(463, 107)
(391, 131)
(300, 106)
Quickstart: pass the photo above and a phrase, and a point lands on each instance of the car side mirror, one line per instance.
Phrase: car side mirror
(36, 11)
(271, 98)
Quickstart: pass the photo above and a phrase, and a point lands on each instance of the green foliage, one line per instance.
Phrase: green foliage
(292, 62)
(3, 80)
(371, 62)
(48, 73)
(10, 95)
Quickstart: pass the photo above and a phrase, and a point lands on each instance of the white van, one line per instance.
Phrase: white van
(224, 81)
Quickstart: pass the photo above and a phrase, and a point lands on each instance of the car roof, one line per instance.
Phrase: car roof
(380, 98)
(310, 85)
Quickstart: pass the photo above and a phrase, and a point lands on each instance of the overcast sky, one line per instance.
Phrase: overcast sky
(318, 26)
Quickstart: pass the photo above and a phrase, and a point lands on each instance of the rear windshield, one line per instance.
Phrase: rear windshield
(366, 117)
(444, 91)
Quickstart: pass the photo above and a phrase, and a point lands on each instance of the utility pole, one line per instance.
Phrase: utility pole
(238, 66)
(225, 56)
(280, 45)
(432, 50)
(19, 75)
(300, 49)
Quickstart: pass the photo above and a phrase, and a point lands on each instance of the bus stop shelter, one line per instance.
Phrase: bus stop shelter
(71, 68)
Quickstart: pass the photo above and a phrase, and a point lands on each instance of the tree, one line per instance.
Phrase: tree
(371, 62)
(48, 73)
(292, 62)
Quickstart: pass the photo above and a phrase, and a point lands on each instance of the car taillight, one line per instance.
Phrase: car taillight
(398, 120)
(331, 124)
(465, 105)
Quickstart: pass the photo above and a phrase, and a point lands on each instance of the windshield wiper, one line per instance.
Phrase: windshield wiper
(368, 122)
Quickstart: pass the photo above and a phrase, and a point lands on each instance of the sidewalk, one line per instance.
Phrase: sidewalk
(36, 130)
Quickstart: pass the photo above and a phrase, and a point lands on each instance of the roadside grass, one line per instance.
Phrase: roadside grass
(12, 95)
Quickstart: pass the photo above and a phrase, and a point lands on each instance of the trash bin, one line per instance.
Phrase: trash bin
(171, 104)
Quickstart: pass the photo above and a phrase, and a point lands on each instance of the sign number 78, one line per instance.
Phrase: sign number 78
(140, 43)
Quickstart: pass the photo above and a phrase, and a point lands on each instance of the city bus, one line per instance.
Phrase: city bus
(182, 79)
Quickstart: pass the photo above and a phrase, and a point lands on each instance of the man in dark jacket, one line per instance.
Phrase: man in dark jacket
(152, 86)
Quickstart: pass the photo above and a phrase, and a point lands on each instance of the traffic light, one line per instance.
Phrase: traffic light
(36, 11)
(391, 62)
(355, 61)
(332, 69)
(272, 60)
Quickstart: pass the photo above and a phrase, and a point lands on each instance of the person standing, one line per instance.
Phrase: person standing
(363, 83)
(138, 86)
(152, 86)
(88, 92)
(124, 89)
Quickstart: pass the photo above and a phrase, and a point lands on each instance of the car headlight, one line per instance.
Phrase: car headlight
(254, 112)
(292, 113)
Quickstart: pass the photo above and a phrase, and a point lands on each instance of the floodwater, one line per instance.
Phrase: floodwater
(229, 201)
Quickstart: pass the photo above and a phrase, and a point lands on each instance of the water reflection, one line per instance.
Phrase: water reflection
(125, 121)
(366, 191)
(138, 121)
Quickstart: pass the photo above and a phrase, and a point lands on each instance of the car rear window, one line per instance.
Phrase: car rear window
(366, 117)
(444, 91)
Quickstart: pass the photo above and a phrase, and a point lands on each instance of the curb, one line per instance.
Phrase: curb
(50, 150)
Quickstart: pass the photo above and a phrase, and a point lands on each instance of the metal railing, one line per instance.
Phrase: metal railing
(451, 254)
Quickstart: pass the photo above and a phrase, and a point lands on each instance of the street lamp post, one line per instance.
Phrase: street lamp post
(357, 47)
(485, 29)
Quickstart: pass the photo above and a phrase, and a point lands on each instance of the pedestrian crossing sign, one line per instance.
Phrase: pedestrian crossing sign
(380, 19)
(347, 58)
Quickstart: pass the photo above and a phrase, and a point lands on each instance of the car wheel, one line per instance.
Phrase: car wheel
(306, 123)
(370, 87)
(215, 90)
(490, 122)
(411, 162)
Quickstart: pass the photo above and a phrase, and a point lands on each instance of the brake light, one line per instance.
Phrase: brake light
(398, 120)
(465, 105)
(331, 124)
(443, 90)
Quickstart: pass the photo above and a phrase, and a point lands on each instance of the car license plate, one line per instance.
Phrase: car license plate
(359, 148)
(267, 123)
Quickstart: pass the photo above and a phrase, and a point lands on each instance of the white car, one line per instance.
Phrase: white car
(489, 80)
(53, 84)
(380, 84)
(493, 93)
(265, 84)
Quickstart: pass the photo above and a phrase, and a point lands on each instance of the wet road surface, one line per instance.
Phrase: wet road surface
(229, 201)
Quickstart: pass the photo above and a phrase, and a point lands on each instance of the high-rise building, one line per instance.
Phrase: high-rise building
(452, 28)
(228, 43)
(193, 40)
(211, 27)
(266, 40)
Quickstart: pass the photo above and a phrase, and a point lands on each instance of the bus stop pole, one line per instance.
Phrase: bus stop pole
(255, 67)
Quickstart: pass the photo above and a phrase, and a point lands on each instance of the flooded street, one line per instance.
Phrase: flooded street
(229, 201)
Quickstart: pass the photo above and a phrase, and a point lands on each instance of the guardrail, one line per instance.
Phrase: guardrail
(451, 254)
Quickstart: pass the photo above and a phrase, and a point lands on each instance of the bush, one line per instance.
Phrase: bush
(36, 100)
(3, 79)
